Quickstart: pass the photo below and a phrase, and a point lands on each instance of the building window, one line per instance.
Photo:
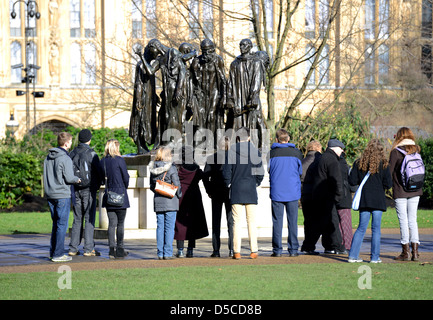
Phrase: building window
(136, 16)
(376, 32)
(15, 24)
(90, 63)
(16, 60)
(151, 19)
(426, 19)
(75, 63)
(194, 27)
(75, 18)
(310, 52)
(89, 19)
(208, 19)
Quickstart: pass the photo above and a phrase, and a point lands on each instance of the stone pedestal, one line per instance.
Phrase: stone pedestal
(140, 219)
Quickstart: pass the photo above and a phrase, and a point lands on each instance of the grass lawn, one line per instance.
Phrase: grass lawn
(261, 282)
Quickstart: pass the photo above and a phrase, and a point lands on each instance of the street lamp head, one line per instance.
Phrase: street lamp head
(13, 14)
(12, 125)
(38, 15)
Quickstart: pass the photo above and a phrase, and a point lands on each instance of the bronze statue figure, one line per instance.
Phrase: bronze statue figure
(142, 125)
(209, 87)
(246, 76)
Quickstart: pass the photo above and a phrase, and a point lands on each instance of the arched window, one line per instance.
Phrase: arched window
(15, 60)
(89, 18)
(90, 63)
(31, 52)
(75, 63)
(136, 17)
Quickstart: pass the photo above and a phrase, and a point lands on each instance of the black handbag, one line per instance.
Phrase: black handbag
(114, 199)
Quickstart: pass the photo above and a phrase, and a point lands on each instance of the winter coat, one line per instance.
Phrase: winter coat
(213, 180)
(328, 185)
(309, 172)
(395, 161)
(346, 197)
(285, 170)
(373, 192)
(58, 174)
(117, 179)
(243, 172)
(157, 170)
(190, 219)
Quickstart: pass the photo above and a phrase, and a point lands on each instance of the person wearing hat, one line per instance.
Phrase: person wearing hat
(327, 192)
(87, 167)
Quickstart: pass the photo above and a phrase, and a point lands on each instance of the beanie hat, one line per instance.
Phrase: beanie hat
(84, 136)
(335, 143)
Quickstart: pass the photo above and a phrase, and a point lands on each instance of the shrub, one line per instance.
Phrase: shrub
(427, 156)
(20, 173)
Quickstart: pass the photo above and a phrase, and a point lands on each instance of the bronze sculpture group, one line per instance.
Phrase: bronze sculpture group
(196, 90)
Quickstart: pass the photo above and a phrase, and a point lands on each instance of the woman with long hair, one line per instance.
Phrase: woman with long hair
(372, 201)
(406, 203)
(166, 208)
(116, 180)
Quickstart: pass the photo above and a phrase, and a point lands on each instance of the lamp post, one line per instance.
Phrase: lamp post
(12, 125)
(30, 69)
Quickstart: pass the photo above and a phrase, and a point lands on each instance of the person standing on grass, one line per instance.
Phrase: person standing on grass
(285, 170)
(166, 208)
(345, 205)
(327, 193)
(58, 177)
(117, 180)
(84, 203)
(310, 210)
(372, 201)
(406, 202)
(243, 173)
(220, 195)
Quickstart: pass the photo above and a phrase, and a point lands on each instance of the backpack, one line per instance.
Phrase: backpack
(82, 161)
(412, 171)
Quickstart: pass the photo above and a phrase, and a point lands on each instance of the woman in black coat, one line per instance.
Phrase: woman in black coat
(372, 201)
(117, 180)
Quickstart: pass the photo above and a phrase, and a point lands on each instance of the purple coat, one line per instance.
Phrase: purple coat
(190, 219)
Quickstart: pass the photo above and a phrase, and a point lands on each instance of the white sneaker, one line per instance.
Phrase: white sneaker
(376, 261)
(63, 258)
(350, 260)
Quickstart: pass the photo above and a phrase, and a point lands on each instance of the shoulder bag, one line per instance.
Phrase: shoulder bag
(357, 197)
(114, 199)
(165, 189)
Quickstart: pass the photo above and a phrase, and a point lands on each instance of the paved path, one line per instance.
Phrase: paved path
(29, 253)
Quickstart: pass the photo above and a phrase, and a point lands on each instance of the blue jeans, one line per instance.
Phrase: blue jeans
(277, 226)
(165, 233)
(59, 209)
(358, 237)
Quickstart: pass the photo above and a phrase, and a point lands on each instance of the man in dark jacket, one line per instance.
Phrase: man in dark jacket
(285, 170)
(327, 192)
(243, 172)
(84, 203)
(218, 192)
(311, 212)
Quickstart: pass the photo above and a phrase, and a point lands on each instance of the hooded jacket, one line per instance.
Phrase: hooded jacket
(157, 170)
(285, 170)
(58, 174)
(243, 173)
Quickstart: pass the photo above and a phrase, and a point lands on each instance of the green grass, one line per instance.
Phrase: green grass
(260, 282)
(40, 222)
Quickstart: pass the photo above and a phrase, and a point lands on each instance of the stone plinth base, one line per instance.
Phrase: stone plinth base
(140, 222)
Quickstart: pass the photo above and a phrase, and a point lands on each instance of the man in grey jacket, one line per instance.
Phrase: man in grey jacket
(58, 177)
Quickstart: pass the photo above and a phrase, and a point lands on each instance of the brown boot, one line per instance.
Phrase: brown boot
(415, 254)
(404, 255)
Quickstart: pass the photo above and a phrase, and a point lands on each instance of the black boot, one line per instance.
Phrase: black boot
(112, 253)
(121, 253)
